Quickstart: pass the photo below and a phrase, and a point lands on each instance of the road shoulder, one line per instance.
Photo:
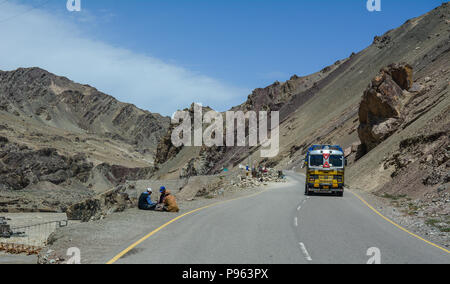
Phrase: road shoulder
(100, 241)
(411, 223)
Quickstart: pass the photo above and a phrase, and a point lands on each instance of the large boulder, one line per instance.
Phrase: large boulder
(380, 112)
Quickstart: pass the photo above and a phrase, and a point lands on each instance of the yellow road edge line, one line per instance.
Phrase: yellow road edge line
(125, 251)
(397, 225)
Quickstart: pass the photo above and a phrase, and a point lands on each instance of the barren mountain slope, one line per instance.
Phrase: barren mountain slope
(62, 142)
(323, 107)
(56, 104)
(297, 90)
(331, 116)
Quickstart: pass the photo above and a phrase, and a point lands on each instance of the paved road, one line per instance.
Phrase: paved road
(282, 225)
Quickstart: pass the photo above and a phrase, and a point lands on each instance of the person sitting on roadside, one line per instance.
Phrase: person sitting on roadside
(169, 201)
(162, 190)
(145, 200)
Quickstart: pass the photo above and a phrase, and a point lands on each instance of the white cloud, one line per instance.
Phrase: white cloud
(37, 38)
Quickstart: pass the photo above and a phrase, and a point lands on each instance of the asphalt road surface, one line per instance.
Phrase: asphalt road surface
(282, 225)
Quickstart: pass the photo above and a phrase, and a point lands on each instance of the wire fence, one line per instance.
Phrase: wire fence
(27, 239)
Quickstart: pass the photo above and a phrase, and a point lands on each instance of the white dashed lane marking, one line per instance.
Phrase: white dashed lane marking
(305, 252)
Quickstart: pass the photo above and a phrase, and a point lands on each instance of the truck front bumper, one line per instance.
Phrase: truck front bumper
(325, 187)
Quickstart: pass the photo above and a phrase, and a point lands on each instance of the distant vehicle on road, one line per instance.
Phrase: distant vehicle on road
(325, 167)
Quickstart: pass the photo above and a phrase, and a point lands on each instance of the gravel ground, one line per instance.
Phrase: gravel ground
(27, 219)
(412, 223)
(17, 259)
(33, 236)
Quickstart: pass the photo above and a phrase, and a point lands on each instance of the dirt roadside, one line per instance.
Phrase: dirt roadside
(100, 241)
(415, 224)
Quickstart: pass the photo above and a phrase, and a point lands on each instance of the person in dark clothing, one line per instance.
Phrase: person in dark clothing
(145, 200)
(162, 190)
(167, 200)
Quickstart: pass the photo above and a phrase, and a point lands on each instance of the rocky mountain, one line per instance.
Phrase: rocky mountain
(387, 105)
(372, 103)
(72, 136)
(284, 97)
(60, 103)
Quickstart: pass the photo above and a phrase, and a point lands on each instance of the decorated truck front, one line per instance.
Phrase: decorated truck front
(325, 167)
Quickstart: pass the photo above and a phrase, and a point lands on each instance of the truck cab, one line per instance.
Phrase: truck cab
(325, 167)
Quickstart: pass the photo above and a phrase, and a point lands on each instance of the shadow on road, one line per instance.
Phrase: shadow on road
(324, 194)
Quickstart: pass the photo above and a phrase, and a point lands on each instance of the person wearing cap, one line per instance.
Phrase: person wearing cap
(169, 201)
(145, 200)
(162, 190)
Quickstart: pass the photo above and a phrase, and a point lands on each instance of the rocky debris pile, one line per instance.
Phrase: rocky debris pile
(380, 112)
(216, 185)
(50, 257)
(431, 151)
(100, 206)
(21, 166)
(429, 216)
(424, 160)
(383, 41)
(255, 180)
(432, 212)
(421, 176)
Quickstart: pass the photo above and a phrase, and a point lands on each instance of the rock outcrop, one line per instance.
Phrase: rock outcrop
(118, 174)
(380, 112)
(204, 163)
(21, 166)
(165, 149)
(98, 207)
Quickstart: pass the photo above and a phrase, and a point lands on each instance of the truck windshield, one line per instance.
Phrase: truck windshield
(315, 160)
(336, 161)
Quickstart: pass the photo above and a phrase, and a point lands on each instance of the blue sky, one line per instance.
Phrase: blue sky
(233, 46)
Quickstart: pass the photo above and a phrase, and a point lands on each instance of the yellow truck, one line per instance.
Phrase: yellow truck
(325, 167)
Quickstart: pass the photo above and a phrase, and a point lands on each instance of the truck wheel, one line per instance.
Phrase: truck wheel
(306, 190)
(340, 194)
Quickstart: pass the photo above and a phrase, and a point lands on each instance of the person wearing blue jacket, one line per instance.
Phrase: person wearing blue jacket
(145, 200)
